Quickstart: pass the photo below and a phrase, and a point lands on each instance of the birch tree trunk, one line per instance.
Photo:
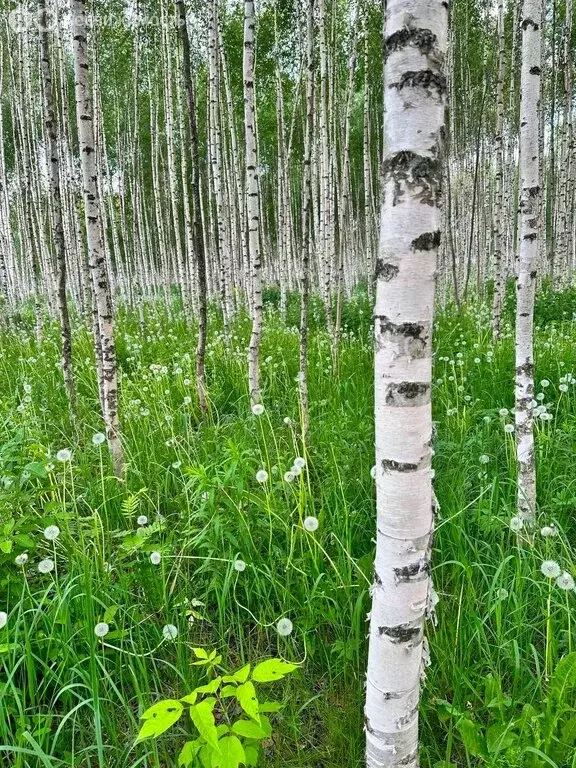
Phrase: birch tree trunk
(95, 235)
(527, 256)
(56, 202)
(498, 218)
(252, 201)
(415, 90)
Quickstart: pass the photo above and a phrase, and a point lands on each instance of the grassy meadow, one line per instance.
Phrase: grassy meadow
(210, 534)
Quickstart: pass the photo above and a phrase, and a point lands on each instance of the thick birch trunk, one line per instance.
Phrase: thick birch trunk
(415, 90)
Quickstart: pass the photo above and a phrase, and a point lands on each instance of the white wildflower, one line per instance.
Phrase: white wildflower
(98, 438)
(169, 632)
(289, 476)
(142, 520)
(261, 476)
(565, 581)
(155, 558)
(239, 565)
(51, 533)
(46, 566)
(64, 455)
(258, 409)
(516, 524)
(548, 531)
(21, 559)
(550, 569)
(544, 383)
(284, 627)
(300, 462)
(101, 629)
(311, 524)
(3, 619)
(509, 428)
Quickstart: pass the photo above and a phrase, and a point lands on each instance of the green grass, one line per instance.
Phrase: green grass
(67, 699)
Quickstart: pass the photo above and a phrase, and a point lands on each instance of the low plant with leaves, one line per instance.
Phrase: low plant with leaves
(228, 717)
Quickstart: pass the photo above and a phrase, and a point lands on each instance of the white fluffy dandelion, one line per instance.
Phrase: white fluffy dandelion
(516, 524)
(3, 619)
(484, 458)
(21, 559)
(46, 566)
(548, 531)
(64, 455)
(544, 383)
(258, 409)
(509, 428)
(287, 420)
(239, 565)
(373, 472)
(563, 387)
(169, 632)
(565, 581)
(98, 438)
(503, 411)
(300, 462)
(311, 524)
(51, 533)
(101, 629)
(142, 520)
(261, 476)
(284, 627)
(550, 569)
(155, 558)
(289, 476)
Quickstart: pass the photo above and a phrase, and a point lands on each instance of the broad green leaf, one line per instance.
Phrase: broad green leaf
(210, 687)
(248, 729)
(159, 718)
(188, 753)
(231, 752)
(270, 706)
(499, 737)
(222, 729)
(190, 698)
(272, 669)
(472, 738)
(6, 546)
(203, 718)
(246, 695)
(238, 677)
(227, 691)
(206, 754)
(110, 613)
(266, 726)
(563, 678)
(252, 754)
(200, 653)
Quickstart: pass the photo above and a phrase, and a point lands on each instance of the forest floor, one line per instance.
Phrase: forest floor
(69, 698)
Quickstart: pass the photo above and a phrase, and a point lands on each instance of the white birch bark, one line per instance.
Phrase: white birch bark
(415, 90)
(498, 213)
(95, 235)
(527, 256)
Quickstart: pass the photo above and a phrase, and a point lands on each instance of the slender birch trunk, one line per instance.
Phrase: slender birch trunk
(527, 256)
(95, 235)
(252, 201)
(415, 91)
(498, 213)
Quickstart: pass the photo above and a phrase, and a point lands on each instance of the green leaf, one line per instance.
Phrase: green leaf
(569, 732)
(210, 687)
(472, 738)
(6, 546)
(499, 737)
(159, 718)
(231, 752)
(266, 726)
(270, 706)
(200, 653)
(227, 691)
(246, 695)
(188, 753)
(203, 718)
(249, 729)
(252, 754)
(238, 677)
(563, 678)
(272, 669)
(190, 698)
(110, 613)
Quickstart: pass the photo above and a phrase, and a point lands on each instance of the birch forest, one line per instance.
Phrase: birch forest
(287, 384)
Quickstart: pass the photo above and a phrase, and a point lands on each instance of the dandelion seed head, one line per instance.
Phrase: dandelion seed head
(155, 558)
(287, 420)
(169, 632)
(64, 455)
(544, 383)
(550, 569)
(503, 411)
(548, 530)
(46, 566)
(21, 559)
(502, 593)
(300, 462)
(509, 428)
(289, 476)
(516, 524)
(3, 619)
(311, 524)
(484, 459)
(261, 476)
(258, 409)
(563, 387)
(373, 472)
(540, 396)
(239, 565)
(142, 520)
(98, 438)
(101, 629)
(284, 627)
(565, 581)
(176, 464)
(51, 533)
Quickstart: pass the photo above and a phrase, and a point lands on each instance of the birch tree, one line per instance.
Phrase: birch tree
(415, 89)
(95, 235)
(527, 256)
(252, 201)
